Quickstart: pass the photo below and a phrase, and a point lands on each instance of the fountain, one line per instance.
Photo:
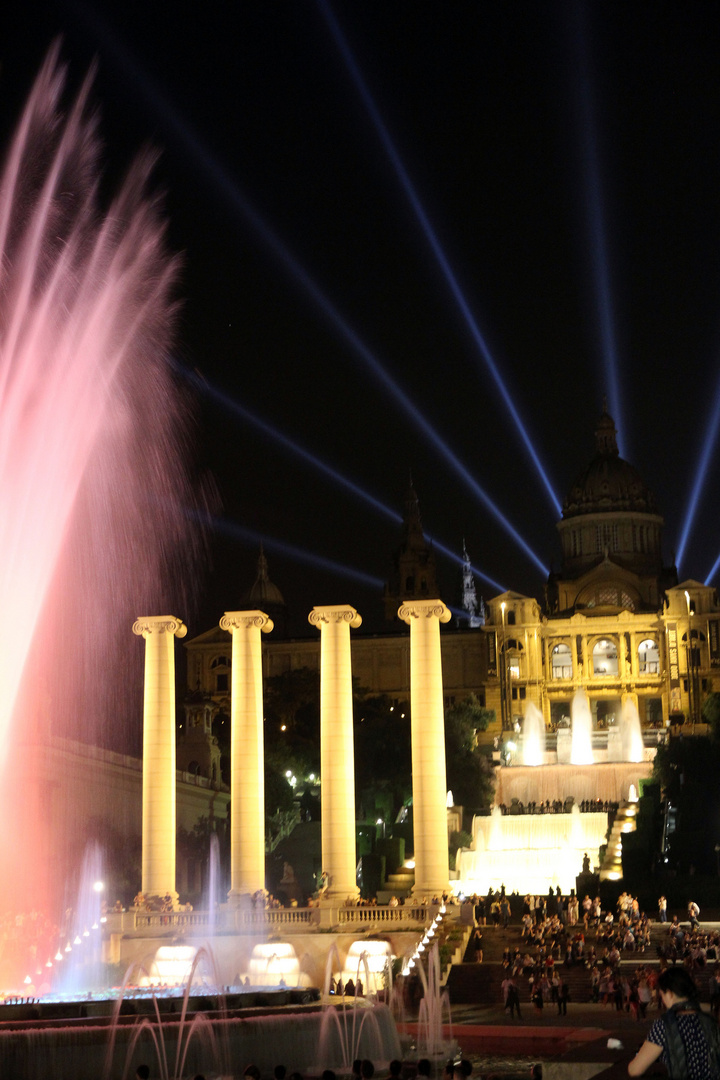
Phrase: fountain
(631, 732)
(582, 751)
(94, 496)
(370, 961)
(533, 736)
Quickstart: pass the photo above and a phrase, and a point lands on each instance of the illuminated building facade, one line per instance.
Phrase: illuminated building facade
(614, 621)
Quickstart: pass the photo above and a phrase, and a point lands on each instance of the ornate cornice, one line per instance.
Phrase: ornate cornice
(334, 613)
(159, 624)
(246, 620)
(424, 609)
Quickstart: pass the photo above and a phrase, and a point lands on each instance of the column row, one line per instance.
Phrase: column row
(247, 821)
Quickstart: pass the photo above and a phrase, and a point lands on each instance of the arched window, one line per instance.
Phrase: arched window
(220, 666)
(561, 661)
(649, 657)
(512, 650)
(605, 657)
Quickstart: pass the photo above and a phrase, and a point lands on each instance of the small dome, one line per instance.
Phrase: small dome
(263, 593)
(608, 483)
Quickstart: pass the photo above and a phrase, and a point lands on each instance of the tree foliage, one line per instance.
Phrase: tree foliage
(469, 770)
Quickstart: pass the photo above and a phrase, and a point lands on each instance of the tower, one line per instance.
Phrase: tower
(413, 575)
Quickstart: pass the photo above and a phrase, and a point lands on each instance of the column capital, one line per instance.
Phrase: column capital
(334, 613)
(159, 624)
(245, 620)
(424, 609)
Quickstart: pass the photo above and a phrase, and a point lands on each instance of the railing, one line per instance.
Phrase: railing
(419, 913)
(269, 920)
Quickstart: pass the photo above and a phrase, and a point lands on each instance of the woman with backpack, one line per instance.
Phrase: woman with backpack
(687, 1038)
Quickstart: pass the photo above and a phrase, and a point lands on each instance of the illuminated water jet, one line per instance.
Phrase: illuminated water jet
(91, 477)
(581, 752)
(533, 736)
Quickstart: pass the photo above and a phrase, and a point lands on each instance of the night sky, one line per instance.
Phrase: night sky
(566, 161)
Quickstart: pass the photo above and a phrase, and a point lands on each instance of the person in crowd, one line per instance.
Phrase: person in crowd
(685, 1037)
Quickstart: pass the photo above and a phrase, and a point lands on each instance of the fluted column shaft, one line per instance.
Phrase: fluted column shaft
(247, 771)
(159, 776)
(337, 756)
(432, 873)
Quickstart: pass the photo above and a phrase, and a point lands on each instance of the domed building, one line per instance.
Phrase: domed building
(615, 622)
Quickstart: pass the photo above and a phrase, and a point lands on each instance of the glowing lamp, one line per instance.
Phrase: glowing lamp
(78, 940)
(68, 947)
(27, 980)
(58, 955)
(98, 886)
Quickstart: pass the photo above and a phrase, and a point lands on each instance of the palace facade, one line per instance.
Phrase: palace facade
(614, 621)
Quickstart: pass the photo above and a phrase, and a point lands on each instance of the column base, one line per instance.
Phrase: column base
(246, 901)
(336, 898)
(425, 893)
(156, 900)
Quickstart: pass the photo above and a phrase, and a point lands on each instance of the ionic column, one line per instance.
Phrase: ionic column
(337, 758)
(159, 775)
(432, 874)
(247, 776)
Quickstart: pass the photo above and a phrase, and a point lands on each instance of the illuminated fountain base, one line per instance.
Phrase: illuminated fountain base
(274, 964)
(530, 852)
(606, 781)
(533, 852)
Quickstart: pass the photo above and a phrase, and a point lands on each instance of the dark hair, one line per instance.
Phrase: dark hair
(280, 1072)
(676, 980)
(423, 1067)
(466, 1066)
(295, 1076)
(328, 1074)
(367, 1069)
(252, 1070)
(143, 1071)
(395, 1067)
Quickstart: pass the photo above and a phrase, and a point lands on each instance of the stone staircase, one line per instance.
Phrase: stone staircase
(480, 984)
(398, 884)
(611, 867)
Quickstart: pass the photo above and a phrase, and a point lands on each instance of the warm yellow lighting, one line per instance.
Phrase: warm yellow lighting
(283, 727)
(409, 864)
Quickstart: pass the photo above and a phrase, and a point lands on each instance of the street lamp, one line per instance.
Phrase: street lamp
(503, 670)
(690, 665)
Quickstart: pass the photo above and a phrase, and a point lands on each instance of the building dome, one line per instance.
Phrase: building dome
(264, 595)
(608, 483)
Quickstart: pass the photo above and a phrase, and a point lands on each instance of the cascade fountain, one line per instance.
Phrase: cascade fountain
(524, 846)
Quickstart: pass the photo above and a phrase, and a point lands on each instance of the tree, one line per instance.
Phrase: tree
(383, 769)
(711, 714)
(469, 770)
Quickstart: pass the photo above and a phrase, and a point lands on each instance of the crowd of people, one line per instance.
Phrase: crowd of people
(361, 1070)
(558, 806)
